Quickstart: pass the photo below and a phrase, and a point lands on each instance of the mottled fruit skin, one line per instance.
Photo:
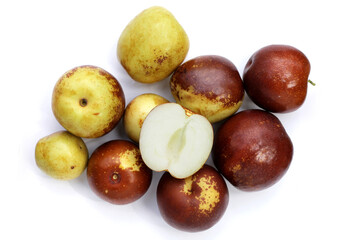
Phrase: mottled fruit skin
(276, 78)
(152, 45)
(61, 155)
(252, 150)
(209, 85)
(117, 174)
(136, 112)
(88, 101)
(195, 203)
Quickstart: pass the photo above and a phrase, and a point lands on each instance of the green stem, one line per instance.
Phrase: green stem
(311, 82)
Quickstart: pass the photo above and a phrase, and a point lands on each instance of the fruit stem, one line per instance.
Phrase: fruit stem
(311, 82)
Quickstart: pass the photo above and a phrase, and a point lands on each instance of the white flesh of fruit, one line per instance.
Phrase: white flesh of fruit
(173, 141)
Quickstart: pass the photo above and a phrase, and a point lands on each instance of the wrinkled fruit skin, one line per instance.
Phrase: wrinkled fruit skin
(195, 203)
(208, 85)
(276, 78)
(252, 150)
(116, 172)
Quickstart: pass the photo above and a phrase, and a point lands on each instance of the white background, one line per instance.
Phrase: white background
(318, 198)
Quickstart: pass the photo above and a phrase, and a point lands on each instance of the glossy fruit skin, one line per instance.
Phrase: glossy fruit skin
(117, 174)
(252, 150)
(209, 85)
(276, 78)
(182, 206)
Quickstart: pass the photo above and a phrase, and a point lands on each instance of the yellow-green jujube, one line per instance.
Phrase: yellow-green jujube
(61, 155)
(152, 45)
(136, 112)
(88, 101)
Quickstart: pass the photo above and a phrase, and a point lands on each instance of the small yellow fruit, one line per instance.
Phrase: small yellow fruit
(152, 45)
(61, 155)
(136, 112)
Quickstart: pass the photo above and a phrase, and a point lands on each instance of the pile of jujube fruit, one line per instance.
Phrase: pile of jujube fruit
(251, 148)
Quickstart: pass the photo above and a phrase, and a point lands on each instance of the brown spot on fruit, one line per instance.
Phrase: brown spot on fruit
(107, 75)
(70, 73)
(141, 121)
(146, 66)
(161, 59)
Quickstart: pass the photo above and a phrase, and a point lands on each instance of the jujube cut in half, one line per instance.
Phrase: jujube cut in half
(252, 150)
(88, 101)
(276, 78)
(176, 140)
(195, 203)
(209, 85)
(116, 172)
